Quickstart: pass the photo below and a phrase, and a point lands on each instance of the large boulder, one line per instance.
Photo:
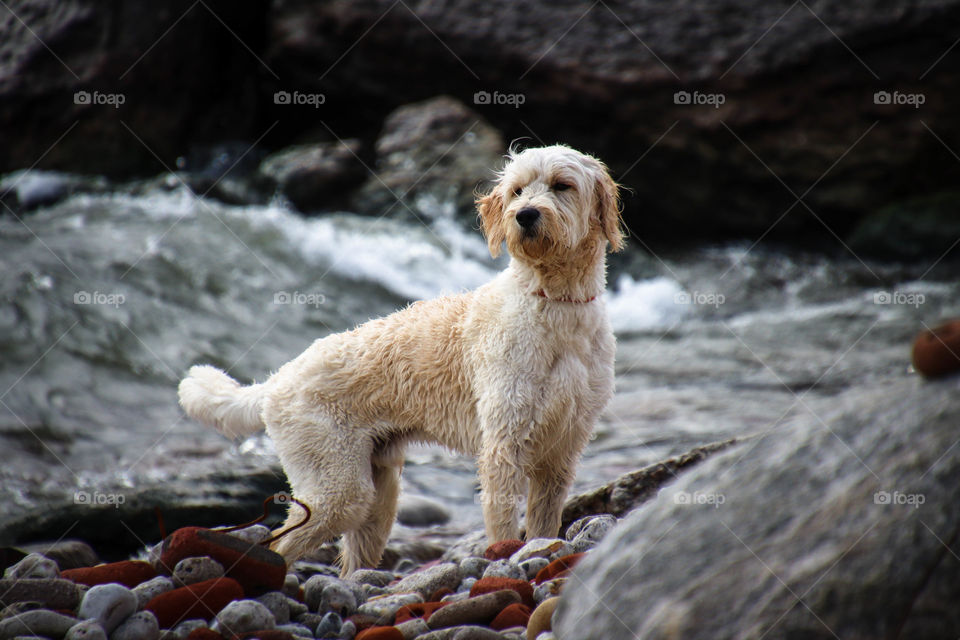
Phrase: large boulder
(840, 525)
(718, 114)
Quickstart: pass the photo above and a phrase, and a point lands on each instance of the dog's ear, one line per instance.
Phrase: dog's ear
(490, 207)
(608, 209)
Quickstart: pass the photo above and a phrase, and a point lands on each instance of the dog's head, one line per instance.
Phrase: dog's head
(549, 200)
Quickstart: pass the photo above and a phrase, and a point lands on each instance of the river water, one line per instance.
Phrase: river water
(106, 300)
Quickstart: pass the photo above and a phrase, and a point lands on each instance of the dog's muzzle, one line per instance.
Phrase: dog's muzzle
(527, 219)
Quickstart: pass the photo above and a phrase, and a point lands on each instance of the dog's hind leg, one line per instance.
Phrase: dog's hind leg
(363, 546)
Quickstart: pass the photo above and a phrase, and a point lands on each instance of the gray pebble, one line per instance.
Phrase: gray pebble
(34, 565)
(405, 565)
(243, 615)
(194, 570)
(385, 609)
(418, 511)
(551, 548)
(278, 604)
(86, 630)
(504, 569)
(139, 626)
(473, 566)
(291, 585)
(296, 608)
(427, 581)
(372, 577)
(296, 629)
(475, 633)
(339, 598)
(532, 566)
(254, 534)
(590, 532)
(548, 589)
(41, 621)
(329, 626)
(546, 635)
(315, 587)
(456, 597)
(413, 628)
(109, 604)
(53, 593)
(466, 584)
(370, 591)
(145, 591)
(347, 631)
(183, 629)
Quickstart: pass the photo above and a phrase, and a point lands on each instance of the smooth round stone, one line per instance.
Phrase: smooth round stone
(589, 531)
(427, 581)
(38, 622)
(372, 577)
(296, 629)
(477, 610)
(194, 570)
(473, 567)
(184, 629)
(337, 597)
(385, 608)
(145, 591)
(504, 569)
(542, 548)
(139, 626)
(936, 352)
(413, 627)
(542, 618)
(418, 511)
(86, 630)
(329, 626)
(108, 604)
(254, 534)
(348, 631)
(466, 584)
(34, 565)
(548, 589)
(278, 605)
(243, 615)
(316, 586)
(532, 566)
(291, 585)
(296, 608)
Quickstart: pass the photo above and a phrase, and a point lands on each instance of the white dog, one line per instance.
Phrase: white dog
(515, 372)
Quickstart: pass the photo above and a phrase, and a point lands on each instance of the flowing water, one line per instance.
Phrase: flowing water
(106, 300)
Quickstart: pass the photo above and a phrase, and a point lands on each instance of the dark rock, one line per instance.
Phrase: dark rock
(926, 225)
(840, 525)
(428, 153)
(416, 550)
(68, 554)
(314, 176)
(54, 593)
(39, 622)
(418, 511)
(634, 488)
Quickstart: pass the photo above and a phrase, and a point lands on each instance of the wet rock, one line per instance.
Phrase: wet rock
(489, 585)
(150, 589)
(437, 150)
(108, 604)
(129, 573)
(139, 626)
(243, 615)
(314, 176)
(476, 610)
(33, 566)
(86, 630)
(40, 622)
(542, 618)
(419, 511)
(428, 580)
(53, 593)
(194, 570)
(848, 507)
(194, 601)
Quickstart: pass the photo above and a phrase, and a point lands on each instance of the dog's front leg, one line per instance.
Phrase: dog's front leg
(502, 485)
(548, 491)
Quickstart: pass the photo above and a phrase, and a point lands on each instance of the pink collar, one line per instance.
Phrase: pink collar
(543, 294)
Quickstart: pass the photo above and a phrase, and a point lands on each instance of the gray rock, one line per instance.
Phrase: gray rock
(296, 608)
(438, 150)
(86, 630)
(413, 628)
(551, 548)
(504, 569)
(549, 589)
(418, 511)
(476, 633)
(848, 510)
(140, 626)
(459, 596)
(298, 630)
(347, 594)
(372, 577)
(313, 176)
(40, 622)
(477, 610)
(385, 608)
(586, 533)
(473, 566)
(183, 629)
(192, 570)
(337, 597)
(291, 585)
(243, 615)
(327, 626)
(278, 604)
(471, 544)
(153, 587)
(68, 554)
(532, 566)
(33, 565)
(427, 581)
(53, 593)
(108, 604)
(254, 534)
(347, 631)
(466, 584)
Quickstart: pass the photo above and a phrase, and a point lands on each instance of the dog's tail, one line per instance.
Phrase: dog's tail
(211, 396)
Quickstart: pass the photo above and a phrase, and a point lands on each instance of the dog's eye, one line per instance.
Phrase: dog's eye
(561, 186)
(517, 191)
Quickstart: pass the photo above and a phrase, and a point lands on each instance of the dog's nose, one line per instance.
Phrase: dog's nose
(527, 217)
